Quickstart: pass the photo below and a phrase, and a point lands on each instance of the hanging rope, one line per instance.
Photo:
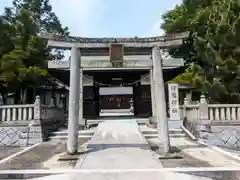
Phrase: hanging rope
(124, 84)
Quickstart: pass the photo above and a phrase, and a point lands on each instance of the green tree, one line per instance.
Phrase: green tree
(213, 48)
(23, 53)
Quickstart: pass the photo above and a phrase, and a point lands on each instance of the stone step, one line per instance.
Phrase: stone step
(64, 137)
(88, 133)
(140, 121)
(80, 132)
(154, 131)
(91, 132)
(147, 136)
(88, 137)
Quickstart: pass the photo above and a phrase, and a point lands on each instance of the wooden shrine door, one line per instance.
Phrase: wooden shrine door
(90, 102)
(142, 100)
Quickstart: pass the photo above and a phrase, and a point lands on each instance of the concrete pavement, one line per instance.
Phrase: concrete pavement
(119, 145)
(125, 176)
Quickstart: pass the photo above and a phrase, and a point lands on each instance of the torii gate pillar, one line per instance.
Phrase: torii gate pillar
(160, 102)
(74, 95)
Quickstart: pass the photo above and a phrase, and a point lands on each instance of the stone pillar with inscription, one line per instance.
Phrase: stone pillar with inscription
(73, 112)
(175, 121)
(161, 110)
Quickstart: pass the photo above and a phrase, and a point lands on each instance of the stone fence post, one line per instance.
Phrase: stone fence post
(33, 132)
(203, 115)
(185, 103)
(37, 109)
(203, 108)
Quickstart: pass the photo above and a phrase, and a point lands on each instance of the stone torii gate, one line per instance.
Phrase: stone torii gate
(75, 44)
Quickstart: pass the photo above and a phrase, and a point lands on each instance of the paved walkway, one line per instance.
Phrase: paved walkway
(118, 145)
(125, 176)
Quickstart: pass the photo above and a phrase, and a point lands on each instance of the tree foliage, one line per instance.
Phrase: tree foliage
(213, 48)
(23, 53)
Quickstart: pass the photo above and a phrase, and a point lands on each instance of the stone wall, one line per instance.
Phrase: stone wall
(20, 134)
(227, 136)
(32, 135)
(24, 125)
(23, 134)
(39, 132)
(216, 124)
(10, 135)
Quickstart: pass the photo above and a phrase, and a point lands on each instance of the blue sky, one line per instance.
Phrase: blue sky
(119, 18)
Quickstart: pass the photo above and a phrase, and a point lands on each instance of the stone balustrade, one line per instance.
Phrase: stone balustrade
(22, 112)
(204, 120)
(211, 112)
(27, 124)
(224, 112)
(29, 112)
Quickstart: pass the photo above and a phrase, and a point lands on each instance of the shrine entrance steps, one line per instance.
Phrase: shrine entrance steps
(140, 121)
(147, 131)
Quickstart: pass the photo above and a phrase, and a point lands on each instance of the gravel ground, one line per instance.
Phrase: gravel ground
(35, 158)
(236, 152)
(182, 160)
(217, 175)
(8, 151)
(185, 161)
(195, 155)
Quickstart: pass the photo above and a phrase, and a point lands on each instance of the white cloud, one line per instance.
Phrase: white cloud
(79, 15)
(155, 29)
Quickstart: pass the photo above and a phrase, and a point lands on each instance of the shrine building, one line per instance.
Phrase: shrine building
(116, 73)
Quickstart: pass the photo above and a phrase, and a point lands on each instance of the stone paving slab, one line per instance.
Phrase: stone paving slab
(118, 144)
(118, 132)
(120, 158)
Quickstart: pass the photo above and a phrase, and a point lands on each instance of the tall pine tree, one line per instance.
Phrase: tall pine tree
(213, 49)
(23, 53)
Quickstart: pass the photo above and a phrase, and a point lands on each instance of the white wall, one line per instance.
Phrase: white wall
(115, 90)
